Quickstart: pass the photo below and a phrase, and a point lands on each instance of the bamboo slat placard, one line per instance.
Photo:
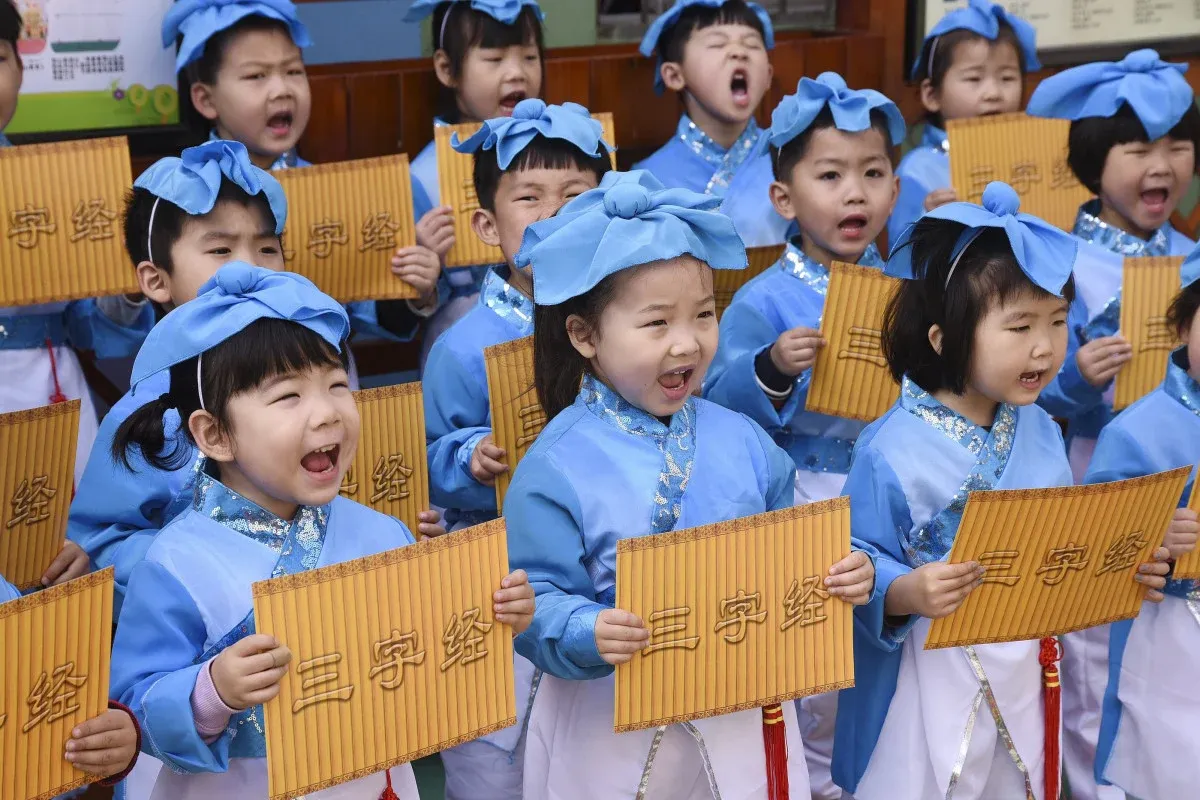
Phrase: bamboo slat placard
(1057, 560)
(1148, 287)
(851, 378)
(37, 469)
(60, 206)
(1028, 153)
(345, 221)
(53, 676)
(737, 613)
(390, 472)
(1188, 566)
(394, 657)
(517, 416)
(456, 182)
(726, 282)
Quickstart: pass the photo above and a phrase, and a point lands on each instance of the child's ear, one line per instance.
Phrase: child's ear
(930, 98)
(672, 76)
(582, 336)
(441, 68)
(483, 222)
(210, 439)
(935, 338)
(781, 199)
(202, 101)
(154, 283)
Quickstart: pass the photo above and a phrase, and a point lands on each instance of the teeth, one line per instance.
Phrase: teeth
(326, 449)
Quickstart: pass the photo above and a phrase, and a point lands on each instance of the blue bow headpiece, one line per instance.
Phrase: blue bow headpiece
(671, 16)
(984, 17)
(851, 109)
(505, 11)
(199, 20)
(508, 136)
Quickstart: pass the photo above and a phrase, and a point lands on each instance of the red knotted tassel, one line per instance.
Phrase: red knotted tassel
(58, 396)
(388, 792)
(1049, 656)
(775, 745)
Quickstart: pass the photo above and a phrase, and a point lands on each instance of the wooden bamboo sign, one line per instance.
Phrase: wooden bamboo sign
(1148, 287)
(345, 221)
(54, 674)
(37, 468)
(1057, 560)
(737, 613)
(1188, 566)
(60, 207)
(390, 472)
(727, 282)
(517, 416)
(1027, 153)
(851, 377)
(394, 657)
(456, 182)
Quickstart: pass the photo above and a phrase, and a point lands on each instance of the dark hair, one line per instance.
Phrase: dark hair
(784, 159)
(557, 365)
(987, 274)
(540, 153)
(467, 29)
(265, 349)
(1182, 313)
(943, 58)
(10, 23)
(674, 39)
(1091, 138)
(169, 220)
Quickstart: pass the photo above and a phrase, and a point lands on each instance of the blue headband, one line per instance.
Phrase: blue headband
(193, 180)
(200, 20)
(982, 17)
(1156, 91)
(851, 109)
(508, 136)
(236, 296)
(669, 17)
(631, 219)
(1045, 253)
(505, 11)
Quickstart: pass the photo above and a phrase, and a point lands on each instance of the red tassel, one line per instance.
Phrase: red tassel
(58, 396)
(388, 792)
(1049, 656)
(775, 744)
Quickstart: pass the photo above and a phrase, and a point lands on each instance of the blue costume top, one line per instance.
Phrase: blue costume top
(457, 412)
(924, 169)
(790, 294)
(7, 591)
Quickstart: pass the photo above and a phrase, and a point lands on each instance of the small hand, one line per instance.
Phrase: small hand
(104, 745)
(429, 525)
(940, 197)
(248, 672)
(435, 230)
(487, 461)
(1153, 574)
(514, 602)
(619, 634)
(419, 267)
(796, 350)
(933, 590)
(852, 579)
(1101, 359)
(70, 563)
(1182, 533)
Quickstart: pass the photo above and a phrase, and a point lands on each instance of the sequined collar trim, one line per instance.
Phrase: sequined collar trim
(1179, 384)
(507, 301)
(616, 410)
(795, 263)
(936, 138)
(289, 160)
(922, 405)
(725, 162)
(4, 142)
(1090, 228)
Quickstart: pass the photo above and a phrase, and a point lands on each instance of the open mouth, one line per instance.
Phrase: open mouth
(739, 87)
(853, 226)
(281, 124)
(676, 382)
(322, 463)
(1031, 380)
(1155, 200)
(510, 100)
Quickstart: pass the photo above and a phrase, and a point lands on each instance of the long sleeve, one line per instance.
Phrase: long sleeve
(456, 420)
(7, 591)
(545, 538)
(780, 485)
(1118, 457)
(155, 667)
(90, 327)
(1068, 395)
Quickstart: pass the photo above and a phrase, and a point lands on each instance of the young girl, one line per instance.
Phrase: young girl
(976, 330)
(258, 378)
(972, 63)
(1148, 746)
(624, 329)
(488, 57)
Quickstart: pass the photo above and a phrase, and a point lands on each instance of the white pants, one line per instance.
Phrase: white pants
(1084, 678)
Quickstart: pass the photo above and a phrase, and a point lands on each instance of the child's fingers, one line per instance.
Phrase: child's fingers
(106, 740)
(619, 618)
(261, 680)
(251, 645)
(851, 562)
(100, 762)
(518, 577)
(111, 720)
(622, 646)
(262, 696)
(617, 658)
(58, 565)
(513, 594)
(493, 466)
(1154, 596)
(491, 449)
(429, 515)
(858, 574)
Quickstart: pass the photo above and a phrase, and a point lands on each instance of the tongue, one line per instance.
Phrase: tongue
(1155, 199)
(673, 381)
(316, 462)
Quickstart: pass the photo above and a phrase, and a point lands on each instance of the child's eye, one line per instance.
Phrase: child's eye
(219, 251)
(874, 172)
(829, 176)
(296, 71)
(269, 250)
(288, 396)
(709, 314)
(1060, 323)
(254, 77)
(1020, 329)
(656, 324)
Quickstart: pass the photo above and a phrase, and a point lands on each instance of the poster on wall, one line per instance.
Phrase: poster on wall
(94, 64)
(1063, 24)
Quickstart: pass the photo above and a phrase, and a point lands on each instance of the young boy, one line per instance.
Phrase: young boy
(1134, 135)
(832, 151)
(713, 53)
(526, 167)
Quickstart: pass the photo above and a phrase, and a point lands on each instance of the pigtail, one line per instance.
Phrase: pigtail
(145, 431)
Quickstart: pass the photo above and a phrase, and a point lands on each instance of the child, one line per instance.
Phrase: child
(245, 81)
(1148, 746)
(625, 328)
(832, 151)
(713, 53)
(1134, 135)
(973, 63)
(488, 58)
(38, 365)
(526, 167)
(257, 376)
(977, 328)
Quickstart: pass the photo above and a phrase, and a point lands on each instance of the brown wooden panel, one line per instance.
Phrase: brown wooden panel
(826, 55)
(326, 138)
(570, 80)
(374, 115)
(625, 86)
(865, 64)
(418, 101)
(788, 60)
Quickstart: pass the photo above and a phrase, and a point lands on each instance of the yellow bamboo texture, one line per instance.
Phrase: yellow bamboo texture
(1147, 287)
(1188, 566)
(726, 282)
(517, 416)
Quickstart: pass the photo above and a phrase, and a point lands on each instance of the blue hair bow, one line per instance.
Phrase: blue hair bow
(530, 118)
(984, 17)
(505, 11)
(199, 20)
(851, 109)
(671, 16)
(1189, 273)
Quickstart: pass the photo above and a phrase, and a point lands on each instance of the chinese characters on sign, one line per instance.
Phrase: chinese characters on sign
(864, 344)
(1158, 336)
(378, 232)
(463, 638)
(533, 419)
(1059, 562)
(53, 696)
(30, 502)
(92, 221)
(391, 478)
(398, 650)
